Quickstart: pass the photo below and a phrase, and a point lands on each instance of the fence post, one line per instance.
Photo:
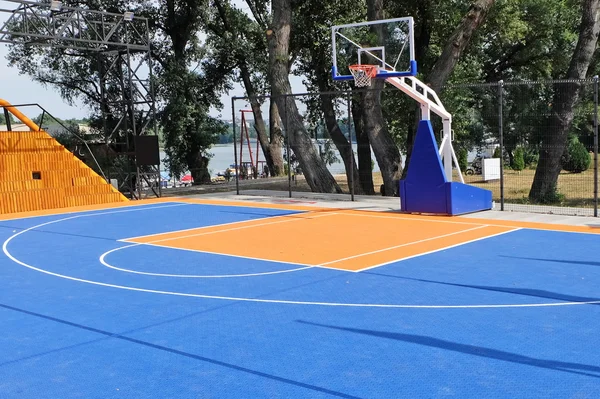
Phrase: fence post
(235, 159)
(351, 177)
(284, 124)
(501, 133)
(596, 146)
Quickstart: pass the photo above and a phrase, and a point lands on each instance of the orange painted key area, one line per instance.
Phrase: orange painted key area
(340, 240)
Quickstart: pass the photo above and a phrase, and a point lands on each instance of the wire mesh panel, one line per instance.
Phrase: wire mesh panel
(475, 113)
(548, 136)
(530, 143)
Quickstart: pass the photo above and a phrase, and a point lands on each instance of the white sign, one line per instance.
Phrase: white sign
(490, 168)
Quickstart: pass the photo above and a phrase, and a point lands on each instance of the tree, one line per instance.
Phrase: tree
(563, 105)
(81, 77)
(316, 173)
(234, 34)
(314, 20)
(384, 147)
(452, 51)
(576, 159)
(518, 163)
(458, 42)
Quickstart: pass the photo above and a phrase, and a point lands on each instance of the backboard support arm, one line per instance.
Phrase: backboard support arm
(430, 102)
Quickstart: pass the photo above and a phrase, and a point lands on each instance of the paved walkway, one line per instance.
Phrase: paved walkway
(392, 204)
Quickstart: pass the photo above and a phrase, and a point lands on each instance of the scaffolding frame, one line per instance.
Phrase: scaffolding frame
(122, 47)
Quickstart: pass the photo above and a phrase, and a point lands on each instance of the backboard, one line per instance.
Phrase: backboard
(388, 43)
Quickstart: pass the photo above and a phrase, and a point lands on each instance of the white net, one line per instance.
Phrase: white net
(363, 75)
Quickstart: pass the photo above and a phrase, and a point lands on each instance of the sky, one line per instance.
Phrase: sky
(20, 89)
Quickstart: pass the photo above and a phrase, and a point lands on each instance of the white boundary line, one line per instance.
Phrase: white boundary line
(105, 263)
(296, 213)
(403, 245)
(439, 249)
(237, 228)
(490, 222)
(277, 301)
(89, 211)
(401, 218)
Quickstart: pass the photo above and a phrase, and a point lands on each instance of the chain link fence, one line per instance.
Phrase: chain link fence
(504, 134)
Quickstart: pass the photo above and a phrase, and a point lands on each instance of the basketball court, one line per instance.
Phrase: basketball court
(244, 299)
(238, 297)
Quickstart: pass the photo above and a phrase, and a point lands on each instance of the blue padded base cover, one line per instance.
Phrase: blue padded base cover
(426, 189)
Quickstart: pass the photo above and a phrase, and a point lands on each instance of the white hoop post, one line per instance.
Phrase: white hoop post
(430, 102)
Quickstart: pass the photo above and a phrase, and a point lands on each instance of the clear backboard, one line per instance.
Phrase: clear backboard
(387, 43)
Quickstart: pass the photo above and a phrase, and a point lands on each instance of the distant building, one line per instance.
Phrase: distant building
(52, 128)
(16, 127)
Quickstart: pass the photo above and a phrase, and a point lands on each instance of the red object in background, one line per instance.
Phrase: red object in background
(187, 179)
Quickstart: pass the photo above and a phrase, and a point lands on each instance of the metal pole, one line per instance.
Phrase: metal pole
(284, 123)
(153, 100)
(351, 177)
(596, 146)
(501, 133)
(235, 160)
(138, 181)
(7, 117)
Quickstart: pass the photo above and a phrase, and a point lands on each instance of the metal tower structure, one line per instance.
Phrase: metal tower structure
(120, 44)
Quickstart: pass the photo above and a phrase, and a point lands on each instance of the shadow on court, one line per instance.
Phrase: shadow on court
(568, 367)
(516, 291)
(181, 353)
(572, 262)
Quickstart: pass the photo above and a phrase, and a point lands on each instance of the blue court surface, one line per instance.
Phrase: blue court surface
(510, 316)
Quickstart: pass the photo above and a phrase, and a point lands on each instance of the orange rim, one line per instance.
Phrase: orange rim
(370, 70)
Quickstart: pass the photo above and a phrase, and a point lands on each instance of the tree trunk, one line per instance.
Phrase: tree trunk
(276, 138)
(458, 42)
(260, 126)
(341, 142)
(565, 98)
(385, 149)
(199, 169)
(363, 150)
(315, 172)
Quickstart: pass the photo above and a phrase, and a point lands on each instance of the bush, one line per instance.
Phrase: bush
(551, 197)
(497, 153)
(518, 163)
(531, 157)
(576, 158)
(462, 155)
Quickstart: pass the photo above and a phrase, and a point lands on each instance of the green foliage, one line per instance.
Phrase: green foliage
(518, 163)
(520, 40)
(530, 156)
(576, 159)
(552, 197)
(188, 129)
(497, 153)
(327, 152)
(462, 156)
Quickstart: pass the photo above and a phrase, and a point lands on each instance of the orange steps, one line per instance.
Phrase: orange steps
(38, 173)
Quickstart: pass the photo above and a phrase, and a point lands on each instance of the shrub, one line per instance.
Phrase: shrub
(551, 197)
(462, 155)
(576, 158)
(518, 162)
(497, 153)
(530, 156)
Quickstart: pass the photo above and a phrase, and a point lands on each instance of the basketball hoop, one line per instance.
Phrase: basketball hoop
(363, 73)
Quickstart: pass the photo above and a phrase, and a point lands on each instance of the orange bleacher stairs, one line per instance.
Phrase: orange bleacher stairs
(38, 173)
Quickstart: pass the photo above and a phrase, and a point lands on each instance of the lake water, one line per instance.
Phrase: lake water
(223, 157)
